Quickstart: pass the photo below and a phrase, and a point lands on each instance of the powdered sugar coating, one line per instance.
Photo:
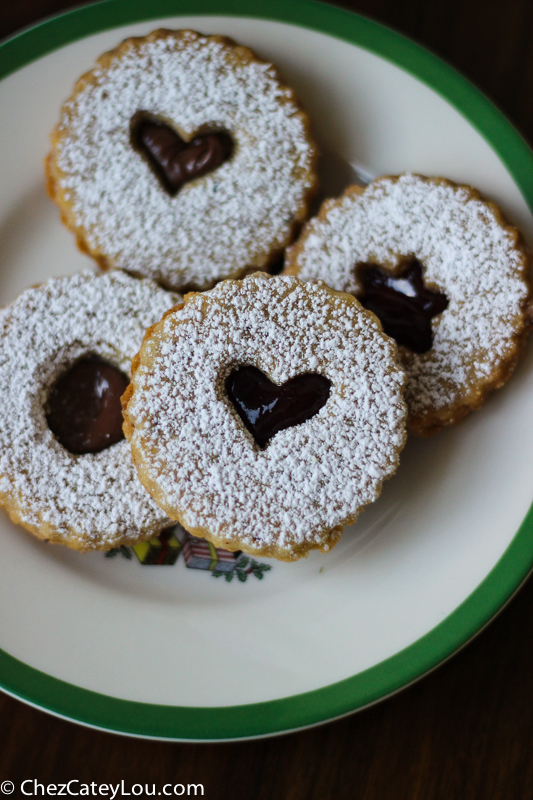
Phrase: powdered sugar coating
(468, 252)
(198, 459)
(86, 501)
(217, 225)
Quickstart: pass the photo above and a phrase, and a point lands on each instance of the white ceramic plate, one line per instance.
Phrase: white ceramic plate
(172, 652)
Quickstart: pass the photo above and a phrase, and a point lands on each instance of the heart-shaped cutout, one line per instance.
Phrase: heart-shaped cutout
(402, 302)
(266, 408)
(174, 161)
(84, 411)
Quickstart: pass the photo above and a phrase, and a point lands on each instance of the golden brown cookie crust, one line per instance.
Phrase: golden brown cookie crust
(177, 266)
(277, 501)
(443, 386)
(90, 501)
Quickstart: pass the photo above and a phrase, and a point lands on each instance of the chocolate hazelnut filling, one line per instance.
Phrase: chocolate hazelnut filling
(266, 408)
(402, 302)
(174, 161)
(84, 411)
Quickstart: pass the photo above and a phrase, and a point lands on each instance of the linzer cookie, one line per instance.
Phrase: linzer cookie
(445, 273)
(183, 158)
(265, 413)
(65, 357)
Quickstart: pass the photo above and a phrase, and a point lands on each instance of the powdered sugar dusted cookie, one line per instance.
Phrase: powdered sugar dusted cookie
(65, 356)
(183, 158)
(265, 413)
(446, 274)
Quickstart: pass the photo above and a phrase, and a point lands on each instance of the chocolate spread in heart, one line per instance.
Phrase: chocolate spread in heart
(266, 408)
(175, 161)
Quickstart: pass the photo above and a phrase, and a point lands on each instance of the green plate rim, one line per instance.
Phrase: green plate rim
(276, 716)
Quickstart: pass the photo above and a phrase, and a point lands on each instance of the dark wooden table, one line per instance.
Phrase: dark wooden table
(465, 731)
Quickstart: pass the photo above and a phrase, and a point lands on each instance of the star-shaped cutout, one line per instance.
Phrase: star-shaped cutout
(402, 302)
